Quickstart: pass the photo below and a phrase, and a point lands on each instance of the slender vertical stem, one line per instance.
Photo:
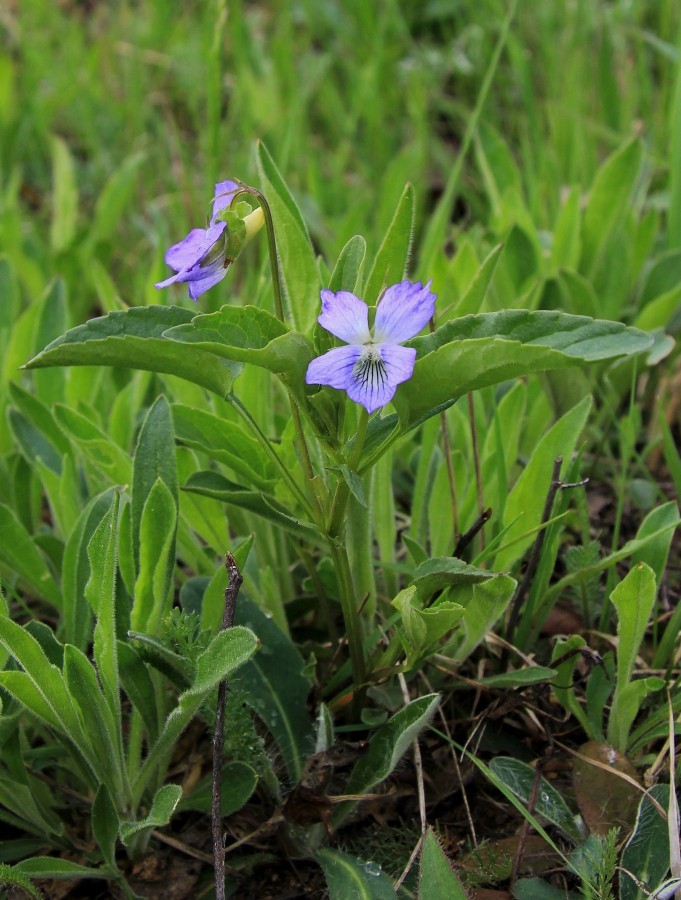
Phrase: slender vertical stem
(447, 447)
(478, 471)
(279, 309)
(231, 595)
(269, 449)
(339, 556)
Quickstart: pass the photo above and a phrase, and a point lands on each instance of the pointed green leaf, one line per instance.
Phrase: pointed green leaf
(154, 459)
(387, 747)
(437, 879)
(105, 825)
(393, 255)
(251, 335)
(347, 877)
(134, 338)
(609, 197)
(299, 266)
(347, 273)
(157, 559)
(224, 441)
(273, 684)
(524, 507)
(162, 808)
(474, 351)
(64, 196)
(520, 777)
(19, 553)
(211, 484)
(647, 853)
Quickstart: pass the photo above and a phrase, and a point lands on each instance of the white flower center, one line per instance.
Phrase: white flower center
(370, 369)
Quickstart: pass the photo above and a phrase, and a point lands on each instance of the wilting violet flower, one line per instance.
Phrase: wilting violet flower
(373, 364)
(203, 257)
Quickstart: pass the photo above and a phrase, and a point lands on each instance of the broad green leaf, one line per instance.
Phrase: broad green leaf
(37, 433)
(347, 273)
(346, 876)
(134, 338)
(656, 551)
(446, 571)
(249, 334)
(646, 854)
(387, 747)
(272, 683)
(157, 558)
(662, 276)
(162, 808)
(111, 203)
(105, 825)
(100, 592)
(54, 867)
(238, 783)
(24, 689)
(633, 599)
(19, 553)
(627, 704)
(421, 628)
(520, 778)
(484, 603)
(525, 505)
(393, 255)
(154, 460)
(475, 351)
(299, 266)
(100, 452)
(20, 800)
(139, 687)
(567, 247)
(227, 652)
(98, 722)
(46, 679)
(437, 879)
(521, 678)
(537, 889)
(211, 484)
(77, 614)
(472, 301)
(609, 197)
(54, 320)
(224, 441)
(64, 196)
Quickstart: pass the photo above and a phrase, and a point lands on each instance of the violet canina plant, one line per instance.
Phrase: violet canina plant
(357, 365)
(340, 397)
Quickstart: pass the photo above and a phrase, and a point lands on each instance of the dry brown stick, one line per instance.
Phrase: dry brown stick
(466, 538)
(231, 595)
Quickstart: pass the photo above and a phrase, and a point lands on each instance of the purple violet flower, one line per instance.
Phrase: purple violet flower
(200, 258)
(373, 364)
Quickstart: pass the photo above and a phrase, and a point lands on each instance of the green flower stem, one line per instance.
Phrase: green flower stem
(271, 452)
(339, 556)
(349, 604)
(279, 309)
